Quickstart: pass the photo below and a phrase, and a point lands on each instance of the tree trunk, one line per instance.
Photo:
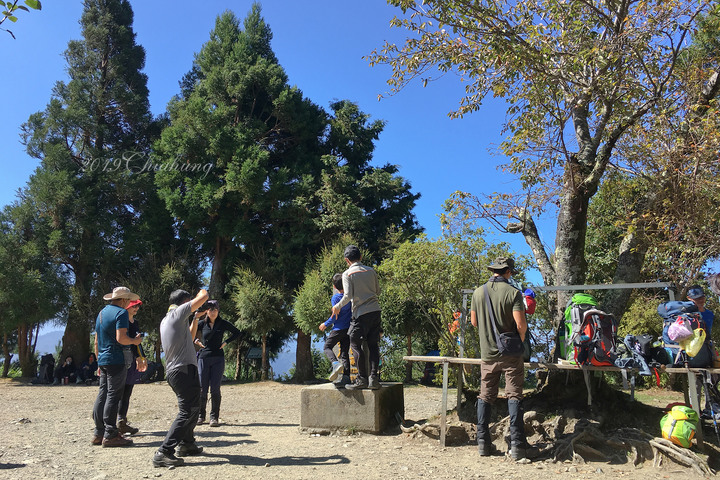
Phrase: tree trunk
(408, 365)
(76, 339)
(265, 367)
(8, 356)
(158, 350)
(27, 361)
(218, 277)
(238, 364)
(303, 358)
(631, 256)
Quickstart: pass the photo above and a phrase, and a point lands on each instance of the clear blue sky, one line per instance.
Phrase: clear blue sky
(319, 43)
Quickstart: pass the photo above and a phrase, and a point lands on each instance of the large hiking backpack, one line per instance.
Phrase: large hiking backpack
(574, 316)
(692, 320)
(674, 308)
(595, 345)
(679, 425)
(47, 368)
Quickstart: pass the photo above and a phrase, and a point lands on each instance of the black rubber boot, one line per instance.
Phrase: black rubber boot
(484, 441)
(519, 447)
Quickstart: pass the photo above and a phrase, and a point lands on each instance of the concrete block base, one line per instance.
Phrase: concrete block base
(326, 408)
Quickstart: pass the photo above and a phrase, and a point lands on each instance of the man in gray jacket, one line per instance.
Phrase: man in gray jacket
(361, 287)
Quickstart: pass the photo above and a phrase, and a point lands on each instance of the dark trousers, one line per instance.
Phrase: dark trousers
(211, 373)
(341, 337)
(105, 410)
(125, 402)
(366, 327)
(185, 382)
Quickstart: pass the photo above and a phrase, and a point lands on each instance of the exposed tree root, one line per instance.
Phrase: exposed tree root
(665, 448)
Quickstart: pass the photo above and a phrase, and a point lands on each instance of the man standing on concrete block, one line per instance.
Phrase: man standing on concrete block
(496, 307)
(361, 287)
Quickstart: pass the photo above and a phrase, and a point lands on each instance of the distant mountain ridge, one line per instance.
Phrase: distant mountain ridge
(47, 341)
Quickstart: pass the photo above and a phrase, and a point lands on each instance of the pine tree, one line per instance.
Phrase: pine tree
(85, 139)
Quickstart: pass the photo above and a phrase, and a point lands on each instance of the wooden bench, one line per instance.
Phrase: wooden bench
(691, 395)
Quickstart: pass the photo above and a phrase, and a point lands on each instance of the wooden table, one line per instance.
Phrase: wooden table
(692, 395)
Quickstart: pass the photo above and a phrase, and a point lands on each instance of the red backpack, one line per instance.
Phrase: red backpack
(597, 339)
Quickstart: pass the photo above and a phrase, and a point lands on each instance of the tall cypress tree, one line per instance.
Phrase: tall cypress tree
(238, 114)
(84, 191)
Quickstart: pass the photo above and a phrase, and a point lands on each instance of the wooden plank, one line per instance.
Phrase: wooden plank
(549, 366)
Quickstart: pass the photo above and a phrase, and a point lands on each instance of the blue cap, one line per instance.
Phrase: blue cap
(529, 293)
(695, 292)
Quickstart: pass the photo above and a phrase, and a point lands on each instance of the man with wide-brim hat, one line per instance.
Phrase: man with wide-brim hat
(111, 329)
(498, 306)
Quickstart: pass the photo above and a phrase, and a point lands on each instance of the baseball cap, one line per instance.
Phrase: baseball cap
(695, 292)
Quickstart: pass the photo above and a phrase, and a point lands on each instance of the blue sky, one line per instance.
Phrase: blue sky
(319, 43)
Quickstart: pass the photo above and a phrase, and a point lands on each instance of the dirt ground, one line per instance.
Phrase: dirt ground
(45, 433)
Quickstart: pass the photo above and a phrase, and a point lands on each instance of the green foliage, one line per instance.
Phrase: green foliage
(98, 217)
(260, 307)
(312, 300)
(428, 275)
(9, 9)
(580, 79)
(642, 317)
(392, 350)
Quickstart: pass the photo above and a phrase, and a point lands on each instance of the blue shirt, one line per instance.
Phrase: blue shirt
(708, 316)
(342, 322)
(109, 320)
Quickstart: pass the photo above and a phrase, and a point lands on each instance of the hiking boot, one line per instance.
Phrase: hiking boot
(374, 382)
(117, 441)
(523, 450)
(96, 440)
(186, 450)
(342, 381)
(358, 384)
(161, 459)
(124, 428)
(201, 420)
(337, 369)
(484, 448)
(214, 422)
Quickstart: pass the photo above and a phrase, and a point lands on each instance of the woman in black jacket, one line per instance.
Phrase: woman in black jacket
(211, 359)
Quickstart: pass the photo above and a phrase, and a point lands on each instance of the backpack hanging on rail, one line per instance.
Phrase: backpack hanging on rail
(596, 343)
(574, 315)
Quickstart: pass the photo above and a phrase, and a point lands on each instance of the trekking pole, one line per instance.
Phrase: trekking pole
(706, 382)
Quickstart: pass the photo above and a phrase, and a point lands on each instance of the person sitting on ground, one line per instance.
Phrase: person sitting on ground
(340, 373)
(66, 370)
(211, 359)
(87, 373)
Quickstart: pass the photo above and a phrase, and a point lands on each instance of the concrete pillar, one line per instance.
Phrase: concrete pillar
(324, 408)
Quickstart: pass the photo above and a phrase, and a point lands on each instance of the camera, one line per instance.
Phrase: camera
(204, 307)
